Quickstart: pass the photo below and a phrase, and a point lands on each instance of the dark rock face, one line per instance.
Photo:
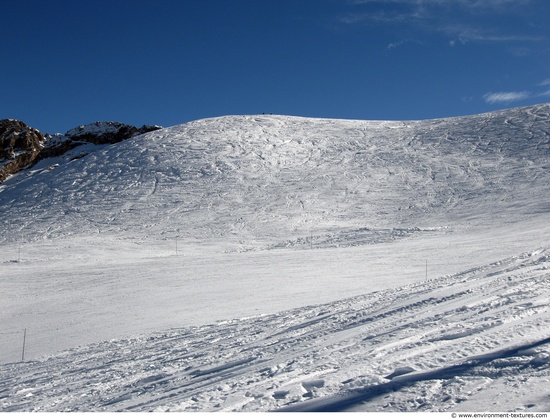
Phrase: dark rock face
(106, 132)
(95, 133)
(56, 145)
(19, 146)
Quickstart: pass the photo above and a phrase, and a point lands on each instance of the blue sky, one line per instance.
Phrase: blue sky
(166, 62)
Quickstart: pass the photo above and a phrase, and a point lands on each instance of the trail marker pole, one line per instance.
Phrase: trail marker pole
(426, 269)
(24, 341)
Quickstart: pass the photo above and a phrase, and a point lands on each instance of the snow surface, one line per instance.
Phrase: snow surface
(253, 263)
(95, 128)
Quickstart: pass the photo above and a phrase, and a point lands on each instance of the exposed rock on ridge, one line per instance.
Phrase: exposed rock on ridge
(19, 146)
(106, 132)
(22, 146)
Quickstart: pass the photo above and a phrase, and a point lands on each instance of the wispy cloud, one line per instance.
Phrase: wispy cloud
(465, 32)
(486, 5)
(470, 4)
(506, 97)
(396, 44)
(460, 20)
(403, 42)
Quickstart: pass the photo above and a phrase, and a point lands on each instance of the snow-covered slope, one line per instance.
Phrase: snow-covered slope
(456, 343)
(275, 178)
(352, 252)
(24, 151)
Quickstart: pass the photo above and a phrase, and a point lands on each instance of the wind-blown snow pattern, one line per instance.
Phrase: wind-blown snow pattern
(255, 263)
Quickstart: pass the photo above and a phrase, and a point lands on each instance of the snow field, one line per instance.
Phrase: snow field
(255, 263)
(113, 288)
(441, 343)
(256, 179)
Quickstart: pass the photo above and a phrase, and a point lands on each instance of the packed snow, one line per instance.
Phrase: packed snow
(257, 263)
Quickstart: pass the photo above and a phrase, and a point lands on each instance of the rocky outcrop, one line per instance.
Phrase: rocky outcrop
(95, 133)
(19, 146)
(22, 146)
(106, 132)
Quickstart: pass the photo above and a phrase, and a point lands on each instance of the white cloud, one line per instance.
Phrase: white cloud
(470, 4)
(476, 6)
(466, 33)
(506, 97)
(395, 44)
(403, 42)
(490, 4)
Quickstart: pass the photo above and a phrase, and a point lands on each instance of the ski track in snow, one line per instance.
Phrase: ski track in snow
(258, 181)
(438, 342)
(321, 225)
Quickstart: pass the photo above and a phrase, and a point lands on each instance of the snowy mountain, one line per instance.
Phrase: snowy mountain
(267, 262)
(275, 178)
(22, 147)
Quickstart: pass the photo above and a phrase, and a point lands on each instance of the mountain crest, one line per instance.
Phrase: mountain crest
(272, 180)
(19, 146)
(22, 146)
